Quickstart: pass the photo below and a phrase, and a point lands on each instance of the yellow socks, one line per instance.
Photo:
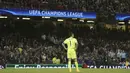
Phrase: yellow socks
(77, 68)
(69, 65)
(76, 64)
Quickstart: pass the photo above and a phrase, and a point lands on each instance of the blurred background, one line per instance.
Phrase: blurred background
(37, 40)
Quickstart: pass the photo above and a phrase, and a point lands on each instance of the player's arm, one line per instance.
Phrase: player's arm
(76, 44)
(63, 44)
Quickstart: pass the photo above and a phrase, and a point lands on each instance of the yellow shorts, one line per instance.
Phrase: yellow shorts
(71, 55)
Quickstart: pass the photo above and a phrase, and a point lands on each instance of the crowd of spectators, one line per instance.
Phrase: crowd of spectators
(94, 48)
(76, 5)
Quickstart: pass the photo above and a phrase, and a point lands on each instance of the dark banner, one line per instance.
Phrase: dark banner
(40, 66)
(107, 67)
(28, 66)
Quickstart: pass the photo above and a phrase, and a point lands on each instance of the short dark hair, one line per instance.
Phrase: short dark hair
(71, 33)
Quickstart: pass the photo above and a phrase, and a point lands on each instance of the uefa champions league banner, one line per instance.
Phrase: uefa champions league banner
(49, 13)
(42, 66)
(122, 16)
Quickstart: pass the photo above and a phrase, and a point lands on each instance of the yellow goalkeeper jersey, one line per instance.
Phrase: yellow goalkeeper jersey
(71, 43)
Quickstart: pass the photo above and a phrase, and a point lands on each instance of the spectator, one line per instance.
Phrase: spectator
(123, 56)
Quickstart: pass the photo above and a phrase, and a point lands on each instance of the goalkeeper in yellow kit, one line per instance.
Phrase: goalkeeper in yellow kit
(72, 45)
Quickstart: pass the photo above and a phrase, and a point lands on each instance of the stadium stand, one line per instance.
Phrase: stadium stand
(95, 48)
(118, 6)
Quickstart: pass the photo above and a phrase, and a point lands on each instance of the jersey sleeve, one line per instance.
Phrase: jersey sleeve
(66, 41)
(76, 41)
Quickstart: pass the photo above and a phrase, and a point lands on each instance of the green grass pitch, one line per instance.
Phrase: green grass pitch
(64, 71)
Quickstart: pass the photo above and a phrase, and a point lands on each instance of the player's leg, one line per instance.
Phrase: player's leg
(76, 64)
(69, 64)
(69, 61)
(75, 60)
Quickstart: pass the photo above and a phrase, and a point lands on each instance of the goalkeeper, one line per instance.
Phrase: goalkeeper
(72, 45)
